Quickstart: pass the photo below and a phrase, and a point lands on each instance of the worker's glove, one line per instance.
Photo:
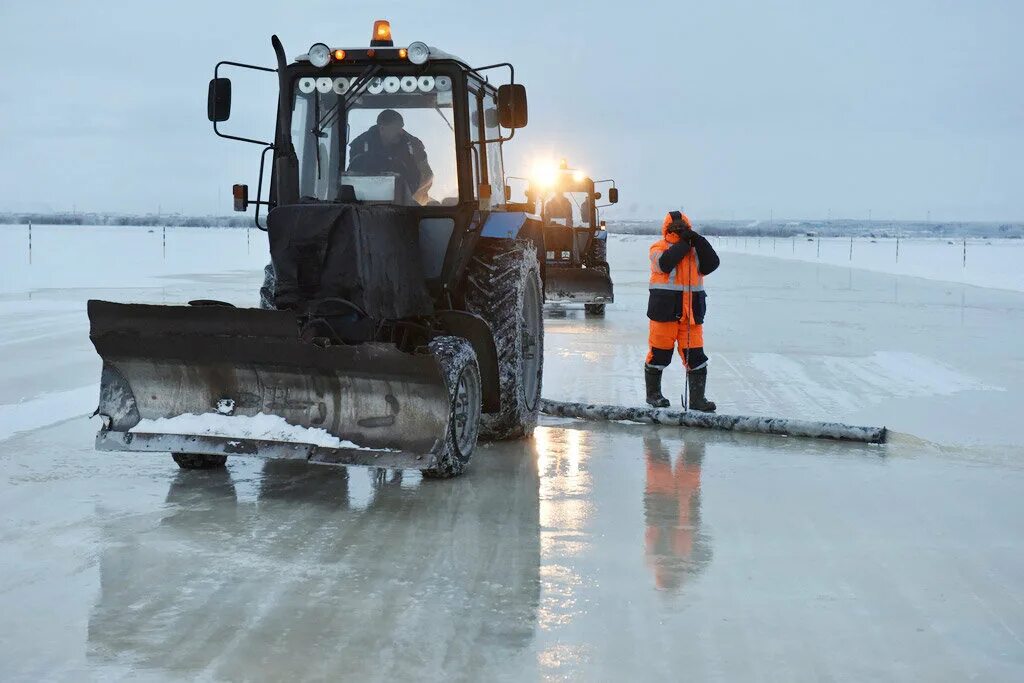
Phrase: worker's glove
(677, 228)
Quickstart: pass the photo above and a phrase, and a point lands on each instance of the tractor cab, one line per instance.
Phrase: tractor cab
(407, 126)
(410, 137)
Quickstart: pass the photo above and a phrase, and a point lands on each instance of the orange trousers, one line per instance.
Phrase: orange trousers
(664, 337)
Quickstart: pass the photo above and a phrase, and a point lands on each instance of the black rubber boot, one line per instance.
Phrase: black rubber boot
(698, 380)
(652, 378)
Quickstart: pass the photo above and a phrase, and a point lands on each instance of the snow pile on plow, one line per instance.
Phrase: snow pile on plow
(260, 426)
(735, 423)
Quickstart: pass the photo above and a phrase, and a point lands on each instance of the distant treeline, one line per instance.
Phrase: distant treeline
(751, 228)
(831, 228)
(149, 220)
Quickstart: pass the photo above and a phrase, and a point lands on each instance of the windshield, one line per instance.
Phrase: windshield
(572, 209)
(393, 143)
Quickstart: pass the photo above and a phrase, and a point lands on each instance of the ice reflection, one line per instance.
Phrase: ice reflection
(297, 583)
(561, 460)
(674, 546)
(565, 510)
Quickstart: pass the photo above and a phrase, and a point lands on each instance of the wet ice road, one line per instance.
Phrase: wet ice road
(592, 552)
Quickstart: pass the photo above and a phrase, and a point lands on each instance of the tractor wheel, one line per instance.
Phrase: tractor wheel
(465, 393)
(504, 288)
(268, 288)
(597, 255)
(199, 461)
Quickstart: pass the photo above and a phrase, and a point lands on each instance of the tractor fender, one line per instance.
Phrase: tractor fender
(508, 225)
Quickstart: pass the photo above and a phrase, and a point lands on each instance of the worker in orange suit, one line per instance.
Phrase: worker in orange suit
(676, 307)
(673, 543)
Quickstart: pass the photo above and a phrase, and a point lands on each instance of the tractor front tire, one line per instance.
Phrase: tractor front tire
(465, 391)
(504, 288)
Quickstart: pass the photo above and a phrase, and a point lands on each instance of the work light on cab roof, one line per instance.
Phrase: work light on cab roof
(320, 55)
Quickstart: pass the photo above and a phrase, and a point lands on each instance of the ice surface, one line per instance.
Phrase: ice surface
(259, 426)
(591, 552)
(46, 409)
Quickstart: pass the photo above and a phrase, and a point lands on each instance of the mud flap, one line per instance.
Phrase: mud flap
(165, 361)
(577, 285)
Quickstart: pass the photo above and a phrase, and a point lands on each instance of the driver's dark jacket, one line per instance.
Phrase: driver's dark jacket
(407, 158)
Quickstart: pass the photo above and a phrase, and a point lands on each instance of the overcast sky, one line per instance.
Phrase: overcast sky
(729, 109)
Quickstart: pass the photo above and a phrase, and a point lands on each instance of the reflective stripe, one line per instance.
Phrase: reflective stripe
(656, 266)
(678, 288)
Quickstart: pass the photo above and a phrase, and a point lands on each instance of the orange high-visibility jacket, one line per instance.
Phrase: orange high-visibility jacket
(673, 295)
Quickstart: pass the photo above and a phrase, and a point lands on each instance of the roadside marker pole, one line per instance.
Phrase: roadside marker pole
(851, 247)
(965, 253)
(165, 241)
(30, 243)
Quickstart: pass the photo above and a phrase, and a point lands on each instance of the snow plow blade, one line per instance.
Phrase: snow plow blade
(736, 423)
(378, 405)
(577, 285)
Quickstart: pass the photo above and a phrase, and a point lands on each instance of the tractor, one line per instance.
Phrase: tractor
(575, 238)
(402, 314)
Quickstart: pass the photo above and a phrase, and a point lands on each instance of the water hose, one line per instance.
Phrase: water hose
(734, 423)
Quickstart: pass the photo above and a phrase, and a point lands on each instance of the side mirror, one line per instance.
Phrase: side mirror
(613, 195)
(512, 110)
(240, 193)
(508, 193)
(218, 100)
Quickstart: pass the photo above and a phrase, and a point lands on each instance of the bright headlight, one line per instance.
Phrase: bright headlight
(419, 53)
(545, 173)
(319, 55)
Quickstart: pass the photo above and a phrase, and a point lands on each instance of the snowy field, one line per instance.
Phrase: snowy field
(592, 551)
(983, 262)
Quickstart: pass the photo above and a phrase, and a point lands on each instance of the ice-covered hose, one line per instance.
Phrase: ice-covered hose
(735, 423)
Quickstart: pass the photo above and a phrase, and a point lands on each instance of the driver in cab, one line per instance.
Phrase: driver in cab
(388, 148)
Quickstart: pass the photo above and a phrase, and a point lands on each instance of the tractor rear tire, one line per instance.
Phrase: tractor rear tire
(199, 461)
(504, 288)
(465, 392)
(597, 255)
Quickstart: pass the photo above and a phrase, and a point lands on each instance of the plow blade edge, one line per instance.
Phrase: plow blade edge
(168, 361)
(577, 285)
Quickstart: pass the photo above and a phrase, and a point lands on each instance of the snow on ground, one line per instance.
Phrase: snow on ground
(589, 552)
(97, 257)
(986, 263)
